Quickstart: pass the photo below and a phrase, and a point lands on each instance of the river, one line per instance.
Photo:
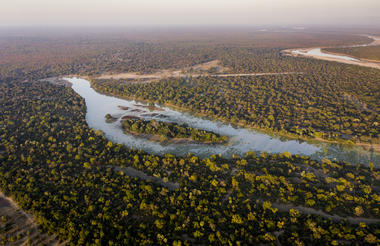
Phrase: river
(318, 53)
(240, 141)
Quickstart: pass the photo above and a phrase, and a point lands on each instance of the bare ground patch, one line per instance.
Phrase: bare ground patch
(212, 68)
(195, 70)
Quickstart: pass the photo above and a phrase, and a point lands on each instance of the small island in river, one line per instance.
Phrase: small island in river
(170, 132)
(110, 118)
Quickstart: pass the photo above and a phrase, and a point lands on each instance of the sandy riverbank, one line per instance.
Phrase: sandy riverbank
(304, 52)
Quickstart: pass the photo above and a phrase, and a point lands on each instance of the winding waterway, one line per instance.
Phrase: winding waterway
(319, 53)
(240, 141)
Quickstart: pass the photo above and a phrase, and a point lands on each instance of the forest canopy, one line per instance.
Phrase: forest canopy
(86, 190)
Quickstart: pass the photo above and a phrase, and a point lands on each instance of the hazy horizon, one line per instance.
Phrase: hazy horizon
(189, 13)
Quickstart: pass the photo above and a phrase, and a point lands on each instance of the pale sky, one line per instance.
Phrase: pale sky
(189, 12)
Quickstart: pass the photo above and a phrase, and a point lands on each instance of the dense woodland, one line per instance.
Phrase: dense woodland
(62, 171)
(86, 52)
(326, 100)
(170, 130)
(71, 177)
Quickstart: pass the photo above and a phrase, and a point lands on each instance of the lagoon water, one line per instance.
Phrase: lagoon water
(240, 141)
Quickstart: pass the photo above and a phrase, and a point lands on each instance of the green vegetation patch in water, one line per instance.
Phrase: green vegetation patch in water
(168, 131)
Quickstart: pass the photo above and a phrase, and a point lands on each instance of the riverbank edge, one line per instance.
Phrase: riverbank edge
(361, 61)
(366, 146)
(348, 55)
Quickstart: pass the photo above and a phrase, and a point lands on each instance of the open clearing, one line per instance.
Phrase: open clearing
(194, 71)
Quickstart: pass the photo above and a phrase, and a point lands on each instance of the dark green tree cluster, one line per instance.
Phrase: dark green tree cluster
(171, 130)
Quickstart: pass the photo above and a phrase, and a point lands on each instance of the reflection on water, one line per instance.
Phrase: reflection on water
(240, 140)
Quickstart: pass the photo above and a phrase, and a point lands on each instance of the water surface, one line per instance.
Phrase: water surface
(318, 52)
(240, 141)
